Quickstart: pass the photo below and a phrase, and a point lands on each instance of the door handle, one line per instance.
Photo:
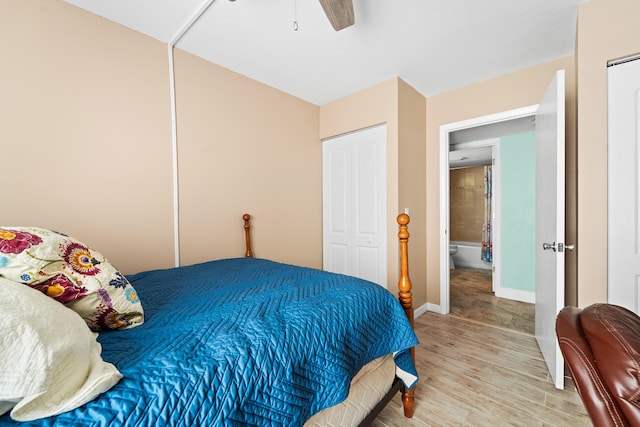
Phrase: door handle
(560, 247)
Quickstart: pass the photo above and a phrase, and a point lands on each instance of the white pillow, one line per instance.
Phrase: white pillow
(50, 360)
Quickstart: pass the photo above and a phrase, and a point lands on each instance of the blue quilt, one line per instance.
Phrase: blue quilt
(242, 342)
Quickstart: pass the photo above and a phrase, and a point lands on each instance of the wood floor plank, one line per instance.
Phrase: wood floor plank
(472, 298)
(475, 375)
(481, 366)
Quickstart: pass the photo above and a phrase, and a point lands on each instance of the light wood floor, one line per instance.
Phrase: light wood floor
(473, 374)
(471, 297)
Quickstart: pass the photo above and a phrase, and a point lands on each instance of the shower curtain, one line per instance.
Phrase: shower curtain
(487, 243)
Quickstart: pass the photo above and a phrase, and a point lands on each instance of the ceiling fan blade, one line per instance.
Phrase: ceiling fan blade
(339, 12)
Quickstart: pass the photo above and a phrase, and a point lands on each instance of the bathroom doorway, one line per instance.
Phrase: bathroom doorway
(462, 145)
(474, 203)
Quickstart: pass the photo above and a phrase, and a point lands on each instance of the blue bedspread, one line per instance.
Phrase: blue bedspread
(242, 342)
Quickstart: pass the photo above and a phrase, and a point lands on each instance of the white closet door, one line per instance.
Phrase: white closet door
(354, 204)
(624, 185)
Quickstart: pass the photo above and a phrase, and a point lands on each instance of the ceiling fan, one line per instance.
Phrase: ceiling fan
(339, 12)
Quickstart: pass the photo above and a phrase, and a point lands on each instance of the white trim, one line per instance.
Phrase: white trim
(444, 217)
(445, 130)
(174, 160)
(516, 294)
(187, 26)
(496, 280)
(174, 126)
(424, 308)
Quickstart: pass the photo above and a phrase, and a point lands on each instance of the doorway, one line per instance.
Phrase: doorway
(489, 285)
(549, 118)
(474, 200)
(482, 131)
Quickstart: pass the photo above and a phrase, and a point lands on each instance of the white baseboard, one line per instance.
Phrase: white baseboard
(427, 307)
(471, 264)
(516, 294)
(420, 310)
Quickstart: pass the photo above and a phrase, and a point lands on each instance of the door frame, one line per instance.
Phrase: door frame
(494, 143)
(445, 130)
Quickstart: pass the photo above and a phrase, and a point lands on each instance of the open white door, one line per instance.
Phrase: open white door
(550, 247)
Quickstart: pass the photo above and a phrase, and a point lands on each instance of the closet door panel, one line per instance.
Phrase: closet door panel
(354, 204)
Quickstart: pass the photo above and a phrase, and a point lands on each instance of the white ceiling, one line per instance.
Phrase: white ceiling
(470, 157)
(493, 130)
(434, 45)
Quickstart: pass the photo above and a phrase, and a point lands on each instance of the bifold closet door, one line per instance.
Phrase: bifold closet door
(354, 204)
(624, 184)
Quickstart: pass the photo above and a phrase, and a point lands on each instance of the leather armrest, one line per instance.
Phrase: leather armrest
(614, 336)
(598, 401)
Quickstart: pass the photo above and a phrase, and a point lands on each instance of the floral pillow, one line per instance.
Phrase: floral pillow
(72, 273)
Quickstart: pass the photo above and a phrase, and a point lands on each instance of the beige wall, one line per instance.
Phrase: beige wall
(607, 29)
(515, 90)
(412, 183)
(402, 108)
(85, 129)
(246, 147)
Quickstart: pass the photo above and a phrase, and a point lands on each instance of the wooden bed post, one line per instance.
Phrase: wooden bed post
(406, 300)
(247, 235)
(404, 282)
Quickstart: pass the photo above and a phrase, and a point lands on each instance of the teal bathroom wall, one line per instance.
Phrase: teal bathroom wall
(517, 211)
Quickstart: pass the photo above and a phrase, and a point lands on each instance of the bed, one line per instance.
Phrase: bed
(231, 342)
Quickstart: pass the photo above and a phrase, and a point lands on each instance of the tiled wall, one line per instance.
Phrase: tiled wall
(466, 187)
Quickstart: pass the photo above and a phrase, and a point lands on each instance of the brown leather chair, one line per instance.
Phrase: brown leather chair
(601, 348)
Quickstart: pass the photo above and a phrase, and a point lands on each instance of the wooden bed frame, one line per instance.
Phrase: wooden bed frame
(406, 300)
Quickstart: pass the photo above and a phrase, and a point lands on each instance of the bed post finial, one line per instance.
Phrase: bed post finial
(247, 235)
(406, 300)
(404, 283)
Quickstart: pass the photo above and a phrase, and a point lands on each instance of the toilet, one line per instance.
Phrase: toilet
(453, 249)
